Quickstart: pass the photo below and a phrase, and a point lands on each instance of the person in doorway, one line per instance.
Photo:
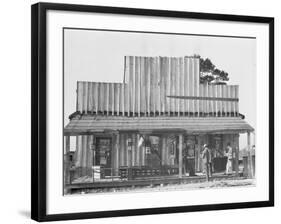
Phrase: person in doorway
(229, 159)
(206, 156)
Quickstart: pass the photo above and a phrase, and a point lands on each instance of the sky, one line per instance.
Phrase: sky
(98, 56)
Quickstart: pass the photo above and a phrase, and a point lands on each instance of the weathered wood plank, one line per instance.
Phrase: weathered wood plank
(209, 102)
(155, 89)
(214, 102)
(223, 102)
(201, 101)
(178, 85)
(216, 105)
(142, 87)
(104, 99)
(80, 96)
(197, 80)
(232, 96)
(107, 98)
(226, 96)
(121, 99)
(186, 84)
(152, 94)
(191, 83)
(116, 99)
(173, 83)
(90, 97)
(163, 83)
(136, 85)
(221, 95)
(229, 103)
(169, 86)
(204, 101)
(209, 97)
(86, 96)
(83, 97)
(145, 87)
(133, 85)
(182, 83)
(158, 70)
(127, 94)
(148, 85)
(113, 98)
(96, 97)
(237, 105)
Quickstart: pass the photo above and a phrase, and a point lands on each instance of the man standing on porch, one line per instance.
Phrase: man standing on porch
(229, 159)
(206, 156)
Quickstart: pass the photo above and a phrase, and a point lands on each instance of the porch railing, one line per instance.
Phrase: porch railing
(125, 173)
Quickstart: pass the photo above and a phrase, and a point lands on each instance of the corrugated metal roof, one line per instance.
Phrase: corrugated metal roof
(92, 124)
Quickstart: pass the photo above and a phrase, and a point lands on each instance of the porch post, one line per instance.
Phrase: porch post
(67, 144)
(66, 164)
(249, 154)
(180, 155)
(117, 153)
(236, 140)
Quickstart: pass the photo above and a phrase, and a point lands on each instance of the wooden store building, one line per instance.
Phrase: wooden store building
(155, 123)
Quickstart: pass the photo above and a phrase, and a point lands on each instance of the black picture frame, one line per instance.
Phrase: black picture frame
(39, 108)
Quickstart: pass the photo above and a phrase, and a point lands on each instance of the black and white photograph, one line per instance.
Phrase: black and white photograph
(155, 111)
(141, 111)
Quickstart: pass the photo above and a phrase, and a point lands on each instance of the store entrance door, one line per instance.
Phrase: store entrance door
(103, 155)
(189, 155)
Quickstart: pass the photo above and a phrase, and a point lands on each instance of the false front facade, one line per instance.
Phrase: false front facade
(154, 124)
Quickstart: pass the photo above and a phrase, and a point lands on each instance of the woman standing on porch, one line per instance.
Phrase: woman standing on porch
(229, 159)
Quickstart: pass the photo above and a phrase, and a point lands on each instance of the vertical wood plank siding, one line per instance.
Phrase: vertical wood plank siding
(84, 154)
(147, 83)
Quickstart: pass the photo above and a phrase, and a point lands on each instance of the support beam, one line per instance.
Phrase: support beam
(133, 148)
(127, 151)
(67, 144)
(67, 162)
(117, 145)
(84, 154)
(94, 151)
(180, 154)
(137, 159)
(250, 170)
(236, 141)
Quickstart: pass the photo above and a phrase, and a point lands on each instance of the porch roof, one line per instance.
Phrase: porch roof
(87, 124)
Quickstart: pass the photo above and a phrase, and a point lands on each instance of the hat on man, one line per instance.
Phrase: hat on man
(205, 145)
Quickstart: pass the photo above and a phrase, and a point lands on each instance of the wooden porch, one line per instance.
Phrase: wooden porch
(149, 181)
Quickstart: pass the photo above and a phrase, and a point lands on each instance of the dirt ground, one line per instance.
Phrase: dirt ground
(190, 186)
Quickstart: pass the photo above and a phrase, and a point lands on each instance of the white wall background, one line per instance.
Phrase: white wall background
(15, 109)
